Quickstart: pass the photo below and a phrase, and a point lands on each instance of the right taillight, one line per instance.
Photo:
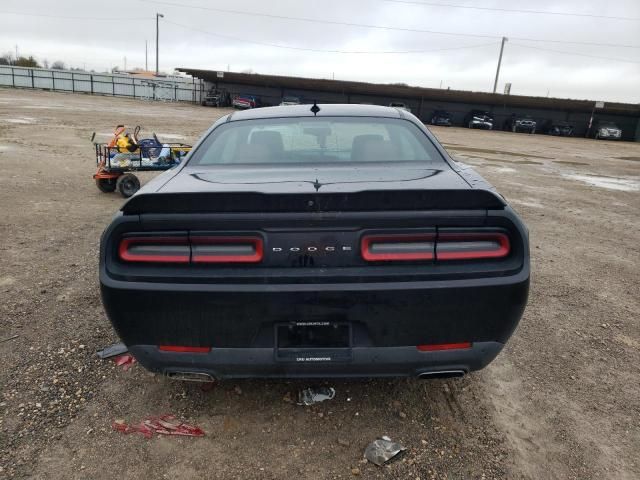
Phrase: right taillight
(471, 245)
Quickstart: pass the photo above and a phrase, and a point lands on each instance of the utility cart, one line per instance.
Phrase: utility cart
(125, 154)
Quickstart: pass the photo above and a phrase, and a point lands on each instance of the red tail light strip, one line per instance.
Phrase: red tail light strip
(227, 249)
(398, 247)
(446, 246)
(472, 246)
(213, 249)
(183, 349)
(444, 346)
(155, 249)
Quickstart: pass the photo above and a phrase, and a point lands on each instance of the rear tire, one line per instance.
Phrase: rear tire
(128, 184)
(106, 185)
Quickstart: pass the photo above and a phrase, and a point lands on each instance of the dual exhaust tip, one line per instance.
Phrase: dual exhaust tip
(190, 376)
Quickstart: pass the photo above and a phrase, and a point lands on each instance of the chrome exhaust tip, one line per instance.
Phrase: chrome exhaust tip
(442, 374)
(190, 376)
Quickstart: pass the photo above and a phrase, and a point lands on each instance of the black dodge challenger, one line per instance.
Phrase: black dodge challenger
(316, 241)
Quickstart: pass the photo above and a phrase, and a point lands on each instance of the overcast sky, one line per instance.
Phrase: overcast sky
(102, 33)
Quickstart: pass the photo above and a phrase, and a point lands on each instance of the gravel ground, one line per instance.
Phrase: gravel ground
(562, 400)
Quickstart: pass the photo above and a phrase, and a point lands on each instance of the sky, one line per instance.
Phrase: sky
(581, 55)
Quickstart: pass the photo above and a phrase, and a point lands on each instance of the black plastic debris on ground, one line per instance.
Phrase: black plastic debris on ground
(113, 350)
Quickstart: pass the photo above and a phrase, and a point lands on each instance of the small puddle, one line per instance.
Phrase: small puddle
(50, 106)
(610, 183)
(501, 169)
(569, 162)
(20, 120)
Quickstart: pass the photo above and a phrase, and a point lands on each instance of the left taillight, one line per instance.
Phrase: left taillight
(191, 249)
(155, 249)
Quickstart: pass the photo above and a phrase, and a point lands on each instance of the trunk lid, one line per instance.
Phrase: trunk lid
(311, 189)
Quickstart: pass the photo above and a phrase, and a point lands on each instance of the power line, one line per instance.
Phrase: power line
(318, 50)
(65, 17)
(513, 10)
(574, 53)
(378, 27)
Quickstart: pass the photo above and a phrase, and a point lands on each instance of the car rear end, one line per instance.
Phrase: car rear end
(369, 284)
(316, 242)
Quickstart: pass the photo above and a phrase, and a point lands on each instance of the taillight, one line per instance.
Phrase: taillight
(183, 349)
(398, 247)
(444, 346)
(446, 245)
(226, 249)
(155, 249)
(197, 249)
(471, 245)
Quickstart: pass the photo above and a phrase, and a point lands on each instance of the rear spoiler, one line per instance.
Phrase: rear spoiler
(378, 200)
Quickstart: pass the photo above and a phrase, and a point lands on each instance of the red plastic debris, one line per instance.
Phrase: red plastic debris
(126, 361)
(162, 425)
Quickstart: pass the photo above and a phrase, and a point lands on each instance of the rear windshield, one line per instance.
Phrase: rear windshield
(316, 141)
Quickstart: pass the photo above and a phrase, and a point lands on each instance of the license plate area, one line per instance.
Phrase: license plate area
(309, 342)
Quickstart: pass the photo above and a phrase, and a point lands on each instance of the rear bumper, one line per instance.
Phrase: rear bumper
(388, 321)
(224, 363)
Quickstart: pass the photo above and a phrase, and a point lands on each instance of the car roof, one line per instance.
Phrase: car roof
(326, 110)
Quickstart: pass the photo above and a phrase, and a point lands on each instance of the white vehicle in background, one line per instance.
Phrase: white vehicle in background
(607, 131)
(289, 101)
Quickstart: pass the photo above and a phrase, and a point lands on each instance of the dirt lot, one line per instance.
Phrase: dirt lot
(562, 400)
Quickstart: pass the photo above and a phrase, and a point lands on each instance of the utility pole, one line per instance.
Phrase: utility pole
(16, 53)
(146, 57)
(158, 17)
(125, 64)
(495, 83)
